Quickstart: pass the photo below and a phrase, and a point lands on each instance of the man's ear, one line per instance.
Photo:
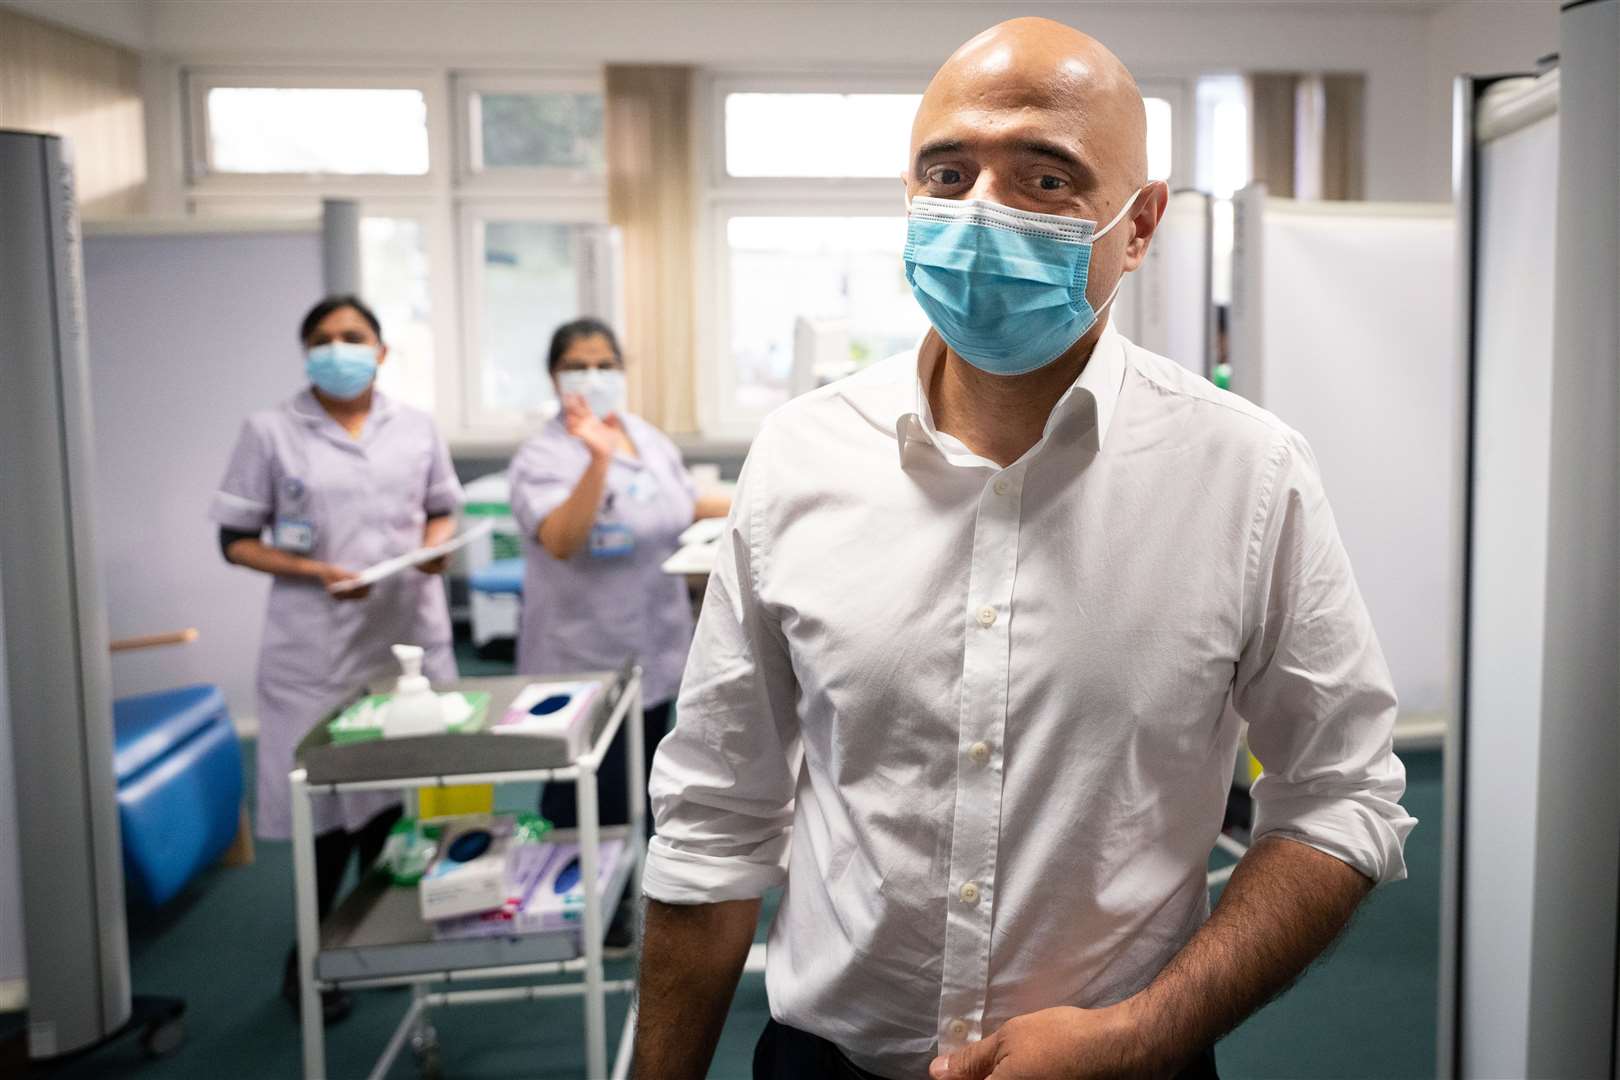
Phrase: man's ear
(1145, 222)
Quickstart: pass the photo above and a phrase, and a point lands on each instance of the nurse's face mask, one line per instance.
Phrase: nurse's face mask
(1005, 288)
(341, 369)
(602, 388)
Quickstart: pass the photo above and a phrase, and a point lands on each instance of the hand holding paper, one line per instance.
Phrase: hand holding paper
(421, 557)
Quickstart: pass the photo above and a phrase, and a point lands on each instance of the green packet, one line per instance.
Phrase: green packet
(362, 721)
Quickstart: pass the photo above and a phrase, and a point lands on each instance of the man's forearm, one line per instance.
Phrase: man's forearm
(691, 957)
(1283, 907)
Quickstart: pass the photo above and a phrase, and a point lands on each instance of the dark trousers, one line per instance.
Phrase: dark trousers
(612, 783)
(333, 848)
(785, 1053)
(332, 851)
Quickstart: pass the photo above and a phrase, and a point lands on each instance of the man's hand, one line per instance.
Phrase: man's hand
(1284, 904)
(1055, 1044)
(600, 434)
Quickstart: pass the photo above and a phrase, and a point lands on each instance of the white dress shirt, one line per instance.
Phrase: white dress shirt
(976, 717)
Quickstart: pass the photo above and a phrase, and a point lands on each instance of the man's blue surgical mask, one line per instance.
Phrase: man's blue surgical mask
(1005, 288)
(341, 369)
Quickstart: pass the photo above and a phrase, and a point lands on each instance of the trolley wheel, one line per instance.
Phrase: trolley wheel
(425, 1048)
(160, 1038)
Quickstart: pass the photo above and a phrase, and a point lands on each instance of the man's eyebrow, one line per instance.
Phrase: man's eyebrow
(939, 146)
(1039, 147)
(1053, 150)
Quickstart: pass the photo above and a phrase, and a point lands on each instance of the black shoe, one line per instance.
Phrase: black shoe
(336, 1004)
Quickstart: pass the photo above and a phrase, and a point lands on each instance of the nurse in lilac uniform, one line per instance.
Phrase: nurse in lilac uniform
(602, 497)
(332, 480)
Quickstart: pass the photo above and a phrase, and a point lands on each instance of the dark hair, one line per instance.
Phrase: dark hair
(578, 330)
(334, 303)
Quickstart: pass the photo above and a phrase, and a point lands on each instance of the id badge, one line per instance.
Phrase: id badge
(294, 535)
(611, 541)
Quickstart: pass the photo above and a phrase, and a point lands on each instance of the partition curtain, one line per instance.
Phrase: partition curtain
(1306, 134)
(1342, 164)
(649, 162)
(1271, 127)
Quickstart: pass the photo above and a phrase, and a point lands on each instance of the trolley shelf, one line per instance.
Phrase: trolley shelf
(464, 757)
(378, 932)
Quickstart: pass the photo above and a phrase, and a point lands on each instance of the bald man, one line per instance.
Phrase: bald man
(969, 673)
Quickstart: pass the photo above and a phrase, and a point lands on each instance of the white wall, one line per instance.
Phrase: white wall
(122, 22)
(188, 333)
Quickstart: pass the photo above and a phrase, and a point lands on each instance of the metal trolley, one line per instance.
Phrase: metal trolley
(376, 937)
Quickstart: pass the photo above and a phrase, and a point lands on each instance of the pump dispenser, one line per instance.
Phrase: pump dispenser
(415, 708)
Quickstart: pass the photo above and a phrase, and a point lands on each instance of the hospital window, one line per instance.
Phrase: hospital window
(395, 280)
(483, 212)
(532, 276)
(813, 299)
(810, 232)
(818, 135)
(345, 131)
(520, 130)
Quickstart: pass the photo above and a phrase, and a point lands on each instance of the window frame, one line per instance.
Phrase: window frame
(723, 196)
(728, 421)
(519, 180)
(202, 178)
(447, 199)
(480, 423)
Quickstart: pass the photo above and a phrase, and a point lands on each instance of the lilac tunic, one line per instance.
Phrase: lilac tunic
(588, 613)
(363, 500)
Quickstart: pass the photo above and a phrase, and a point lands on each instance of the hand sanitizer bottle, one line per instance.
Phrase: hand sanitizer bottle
(415, 708)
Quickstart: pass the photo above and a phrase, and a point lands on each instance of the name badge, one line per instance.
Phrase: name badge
(295, 535)
(611, 541)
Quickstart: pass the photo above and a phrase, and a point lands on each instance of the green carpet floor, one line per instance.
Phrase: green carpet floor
(1367, 1010)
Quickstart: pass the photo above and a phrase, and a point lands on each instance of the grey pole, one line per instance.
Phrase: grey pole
(58, 682)
(340, 246)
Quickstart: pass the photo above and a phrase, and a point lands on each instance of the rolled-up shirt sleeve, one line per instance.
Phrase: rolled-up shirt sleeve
(1313, 685)
(723, 780)
(245, 498)
(444, 494)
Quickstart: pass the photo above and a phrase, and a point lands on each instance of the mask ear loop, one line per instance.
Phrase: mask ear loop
(1130, 202)
(1100, 308)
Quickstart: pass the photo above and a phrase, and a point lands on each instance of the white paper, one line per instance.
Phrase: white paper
(692, 559)
(389, 567)
(703, 531)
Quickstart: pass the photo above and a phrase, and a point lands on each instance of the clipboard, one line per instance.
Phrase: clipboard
(389, 567)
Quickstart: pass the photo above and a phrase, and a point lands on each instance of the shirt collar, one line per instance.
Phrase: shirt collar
(1098, 386)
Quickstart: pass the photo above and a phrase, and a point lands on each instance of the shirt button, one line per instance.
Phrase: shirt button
(957, 1028)
(1002, 487)
(987, 615)
(979, 752)
(969, 893)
